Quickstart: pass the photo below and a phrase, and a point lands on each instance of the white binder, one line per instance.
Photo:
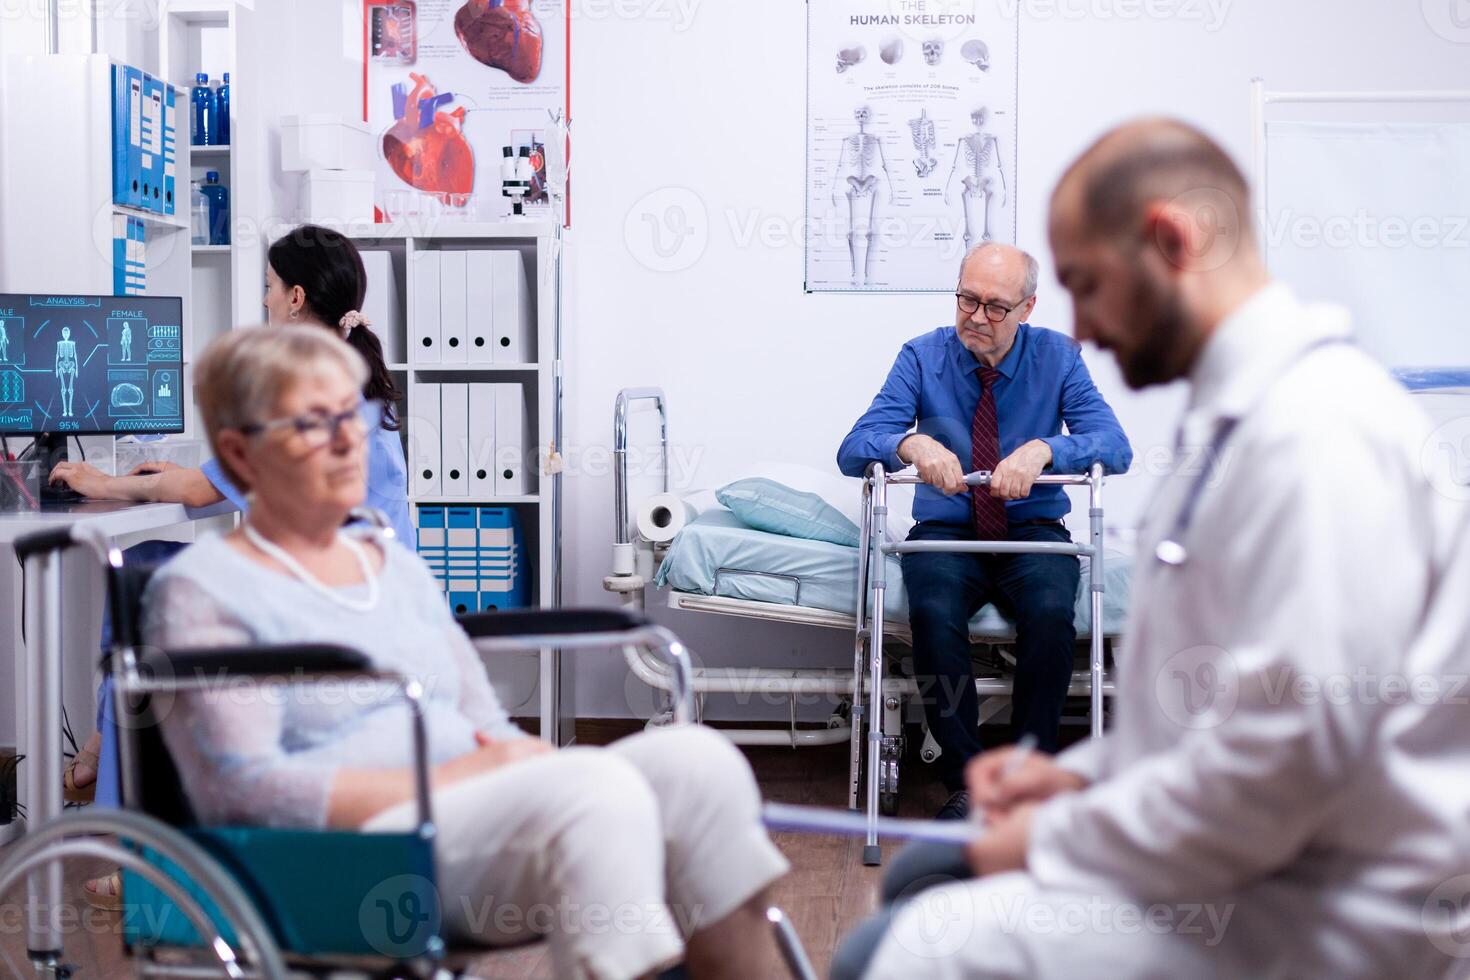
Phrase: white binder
(482, 440)
(383, 304)
(480, 305)
(512, 441)
(454, 397)
(512, 309)
(452, 341)
(425, 308)
(424, 453)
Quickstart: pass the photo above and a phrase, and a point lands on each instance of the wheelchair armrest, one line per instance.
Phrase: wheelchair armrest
(550, 622)
(257, 661)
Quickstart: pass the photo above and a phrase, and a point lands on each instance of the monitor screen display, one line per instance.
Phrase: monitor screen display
(91, 364)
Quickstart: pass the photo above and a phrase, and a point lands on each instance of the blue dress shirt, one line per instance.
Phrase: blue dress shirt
(1043, 382)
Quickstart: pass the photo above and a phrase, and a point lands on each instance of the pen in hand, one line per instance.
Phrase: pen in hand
(1023, 750)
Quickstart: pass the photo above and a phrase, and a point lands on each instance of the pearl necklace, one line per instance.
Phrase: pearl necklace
(310, 581)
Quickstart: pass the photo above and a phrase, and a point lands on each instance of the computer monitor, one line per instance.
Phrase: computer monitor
(91, 365)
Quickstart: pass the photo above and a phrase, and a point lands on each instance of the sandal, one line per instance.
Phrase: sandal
(104, 892)
(70, 791)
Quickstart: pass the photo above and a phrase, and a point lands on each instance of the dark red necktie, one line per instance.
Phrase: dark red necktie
(988, 513)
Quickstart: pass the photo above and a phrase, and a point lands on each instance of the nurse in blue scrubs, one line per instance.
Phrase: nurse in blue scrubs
(314, 278)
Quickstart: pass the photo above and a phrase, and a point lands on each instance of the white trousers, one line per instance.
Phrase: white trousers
(615, 854)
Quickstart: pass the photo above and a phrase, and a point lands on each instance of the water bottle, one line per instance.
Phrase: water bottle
(219, 208)
(222, 112)
(198, 215)
(201, 100)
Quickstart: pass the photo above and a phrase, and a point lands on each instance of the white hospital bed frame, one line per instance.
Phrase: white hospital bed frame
(872, 775)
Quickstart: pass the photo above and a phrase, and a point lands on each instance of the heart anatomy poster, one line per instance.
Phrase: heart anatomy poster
(911, 140)
(449, 85)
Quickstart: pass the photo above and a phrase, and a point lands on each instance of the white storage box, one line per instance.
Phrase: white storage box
(384, 303)
(336, 197)
(324, 142)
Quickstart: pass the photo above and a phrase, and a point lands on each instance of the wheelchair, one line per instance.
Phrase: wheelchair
(252, 902)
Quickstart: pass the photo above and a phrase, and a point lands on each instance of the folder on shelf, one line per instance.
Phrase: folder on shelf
(512, 441)
(383, 304)
(170, 148)
(480, 305)
(121, 126)
(511, 310)
(454, 421)
(120, 254)
(452, 342)
(133, 145)
(425, 307)
(482, 440)
(150, 165)
(424, 453)
(505, 581)
(463, 559)
(429, 528)
(135, 258)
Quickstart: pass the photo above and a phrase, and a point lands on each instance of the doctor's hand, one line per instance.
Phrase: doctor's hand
(937, 466)
(1016, 473)
(999, 789)
(1002, 845)
(84, 478)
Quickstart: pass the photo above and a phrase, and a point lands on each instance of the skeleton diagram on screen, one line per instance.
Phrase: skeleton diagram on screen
(4, 343)
(858, 164)
(977, 161)
(66, 368)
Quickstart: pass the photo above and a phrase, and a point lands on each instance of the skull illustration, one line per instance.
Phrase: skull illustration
(847, 57)
(977, 53)
(862, 114)
(891, 51)
(933, 51)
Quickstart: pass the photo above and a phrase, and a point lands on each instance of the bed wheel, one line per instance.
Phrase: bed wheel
(888, 804)
(890, 754)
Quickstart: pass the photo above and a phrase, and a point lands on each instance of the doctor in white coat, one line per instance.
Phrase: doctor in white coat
(1285, 790)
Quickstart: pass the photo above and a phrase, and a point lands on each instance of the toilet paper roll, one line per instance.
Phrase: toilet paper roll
(662, 516)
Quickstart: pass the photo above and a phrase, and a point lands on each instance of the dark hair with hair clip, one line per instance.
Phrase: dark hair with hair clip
(327, 267)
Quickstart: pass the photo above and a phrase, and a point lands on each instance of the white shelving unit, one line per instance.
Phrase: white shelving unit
(537, 245)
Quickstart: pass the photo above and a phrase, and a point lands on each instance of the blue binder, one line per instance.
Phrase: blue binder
(170, 148)
(504, 575)
(429, 527)
(462, 559)
(120, 124)
(151, 163)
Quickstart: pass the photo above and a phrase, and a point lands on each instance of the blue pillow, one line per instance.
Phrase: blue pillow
(770, 506)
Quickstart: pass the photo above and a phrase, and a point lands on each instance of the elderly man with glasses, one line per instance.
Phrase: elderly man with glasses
(990, 393)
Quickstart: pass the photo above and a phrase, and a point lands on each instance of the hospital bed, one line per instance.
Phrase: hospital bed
(719, 565)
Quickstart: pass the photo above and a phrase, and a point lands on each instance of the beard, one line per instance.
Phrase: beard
(1157, 357)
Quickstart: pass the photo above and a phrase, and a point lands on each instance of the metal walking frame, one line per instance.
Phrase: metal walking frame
(883, 749)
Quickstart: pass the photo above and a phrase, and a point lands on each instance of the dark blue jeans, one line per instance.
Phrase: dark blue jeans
(1037, 592)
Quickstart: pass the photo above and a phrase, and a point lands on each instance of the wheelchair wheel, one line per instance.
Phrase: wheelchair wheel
(74, 835)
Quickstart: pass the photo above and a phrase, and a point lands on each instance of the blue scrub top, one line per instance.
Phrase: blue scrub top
(387, 483)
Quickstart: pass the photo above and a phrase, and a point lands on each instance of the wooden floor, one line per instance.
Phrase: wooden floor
(827, 893)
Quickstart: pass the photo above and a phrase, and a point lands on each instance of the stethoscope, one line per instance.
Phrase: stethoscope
(1171, 550)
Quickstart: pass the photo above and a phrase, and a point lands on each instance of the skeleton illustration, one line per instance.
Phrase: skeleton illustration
(847, 57)
(891, 51)
(977, 53)
(933, 51)
(923, 130)
(66, 368)
(984, 191)
(4, 342)
(859, 163)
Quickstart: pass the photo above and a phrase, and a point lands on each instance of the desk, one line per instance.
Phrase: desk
(38, 686)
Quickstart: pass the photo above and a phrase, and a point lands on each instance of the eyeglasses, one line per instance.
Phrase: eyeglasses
(318, 429)
(994, 312)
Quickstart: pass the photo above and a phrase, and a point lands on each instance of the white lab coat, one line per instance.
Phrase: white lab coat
(1268, 758)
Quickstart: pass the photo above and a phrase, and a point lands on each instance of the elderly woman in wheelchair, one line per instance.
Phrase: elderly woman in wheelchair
(646, 853)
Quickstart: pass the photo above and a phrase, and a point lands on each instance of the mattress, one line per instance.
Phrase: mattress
(718, 554)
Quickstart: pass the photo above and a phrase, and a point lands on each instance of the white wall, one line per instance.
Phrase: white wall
(712, 104)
